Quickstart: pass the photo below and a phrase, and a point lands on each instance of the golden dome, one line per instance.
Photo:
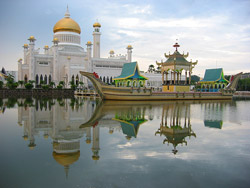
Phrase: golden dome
(88, 141)
(25, 137)
(96, 24)
(25, 45)
(66, 159)
(67, 24)
(95, 158)
(89, 42)
(111, 52)
(46, 46)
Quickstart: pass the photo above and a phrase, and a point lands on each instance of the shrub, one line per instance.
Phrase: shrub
(45, 86)
(29, 86)
(59, 86)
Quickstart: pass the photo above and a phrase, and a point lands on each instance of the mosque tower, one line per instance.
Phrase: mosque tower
(96, 39)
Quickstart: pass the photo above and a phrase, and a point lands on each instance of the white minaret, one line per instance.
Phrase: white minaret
(55, 68)
(129, 48)
(32, 59)
(20, 69)
(89, 50)
(96, 40)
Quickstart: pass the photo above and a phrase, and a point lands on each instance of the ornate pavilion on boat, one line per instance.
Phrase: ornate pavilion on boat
(130, 76)
(171, 70)
(213, 80)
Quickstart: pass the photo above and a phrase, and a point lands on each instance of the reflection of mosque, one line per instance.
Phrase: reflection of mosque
(175, 124)
(59, 119)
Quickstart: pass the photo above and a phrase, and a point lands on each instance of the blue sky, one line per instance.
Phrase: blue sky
(214, 32)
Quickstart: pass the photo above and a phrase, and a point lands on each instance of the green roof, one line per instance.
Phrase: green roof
(130, 70)
(212, 75)
(178, 59)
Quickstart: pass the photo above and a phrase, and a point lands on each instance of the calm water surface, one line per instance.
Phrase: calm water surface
(87, 143)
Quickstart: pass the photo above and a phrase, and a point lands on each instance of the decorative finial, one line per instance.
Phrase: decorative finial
(176, 45)
(67, 14)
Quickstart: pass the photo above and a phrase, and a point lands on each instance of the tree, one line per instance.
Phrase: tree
(1, 84)
(52, 84)
(11, 84)
(151, 68)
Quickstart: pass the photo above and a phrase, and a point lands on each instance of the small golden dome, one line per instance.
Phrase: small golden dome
(111, 52)
(67, 24)
(55, 39)
(96, 24)
(31, 38)
(46, 46)
(46, 136)
(129, 46)
(88, 141)
(95, 158)
(32, 146)
(66, 159)
(89, 42)
(111, 131)
(25, 45)
(25, 137)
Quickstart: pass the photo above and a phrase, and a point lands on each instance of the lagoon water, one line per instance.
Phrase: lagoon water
(84, 142)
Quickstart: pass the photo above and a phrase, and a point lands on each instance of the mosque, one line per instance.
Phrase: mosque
(66, 57)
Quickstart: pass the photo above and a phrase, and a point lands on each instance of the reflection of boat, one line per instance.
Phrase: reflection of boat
(108, 92)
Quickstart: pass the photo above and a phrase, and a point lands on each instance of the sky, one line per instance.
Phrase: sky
(214, 32)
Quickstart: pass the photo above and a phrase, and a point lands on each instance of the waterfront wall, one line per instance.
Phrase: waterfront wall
(36, 93)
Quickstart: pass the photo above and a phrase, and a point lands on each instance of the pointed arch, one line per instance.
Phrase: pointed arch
(104, 80)
(25, 78)
(77, 79)
(73, 79)
(45, 79)
(107, 80)
(37, 79)
(41, 78)
(50, 79)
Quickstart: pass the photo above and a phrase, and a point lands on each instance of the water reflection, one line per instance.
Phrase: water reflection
(67, 121)
(175, 124)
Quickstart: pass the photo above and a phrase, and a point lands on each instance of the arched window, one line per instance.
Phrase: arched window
(45, 79)
(100, 78)
(37, 79)
(41, 79)
(219, 86)
(77, 79)
(107, 80)
(223, 85)
(73, 79)
(104, 79)
(128, 83)
(111, 80)
(25, 78)
(50, 78)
